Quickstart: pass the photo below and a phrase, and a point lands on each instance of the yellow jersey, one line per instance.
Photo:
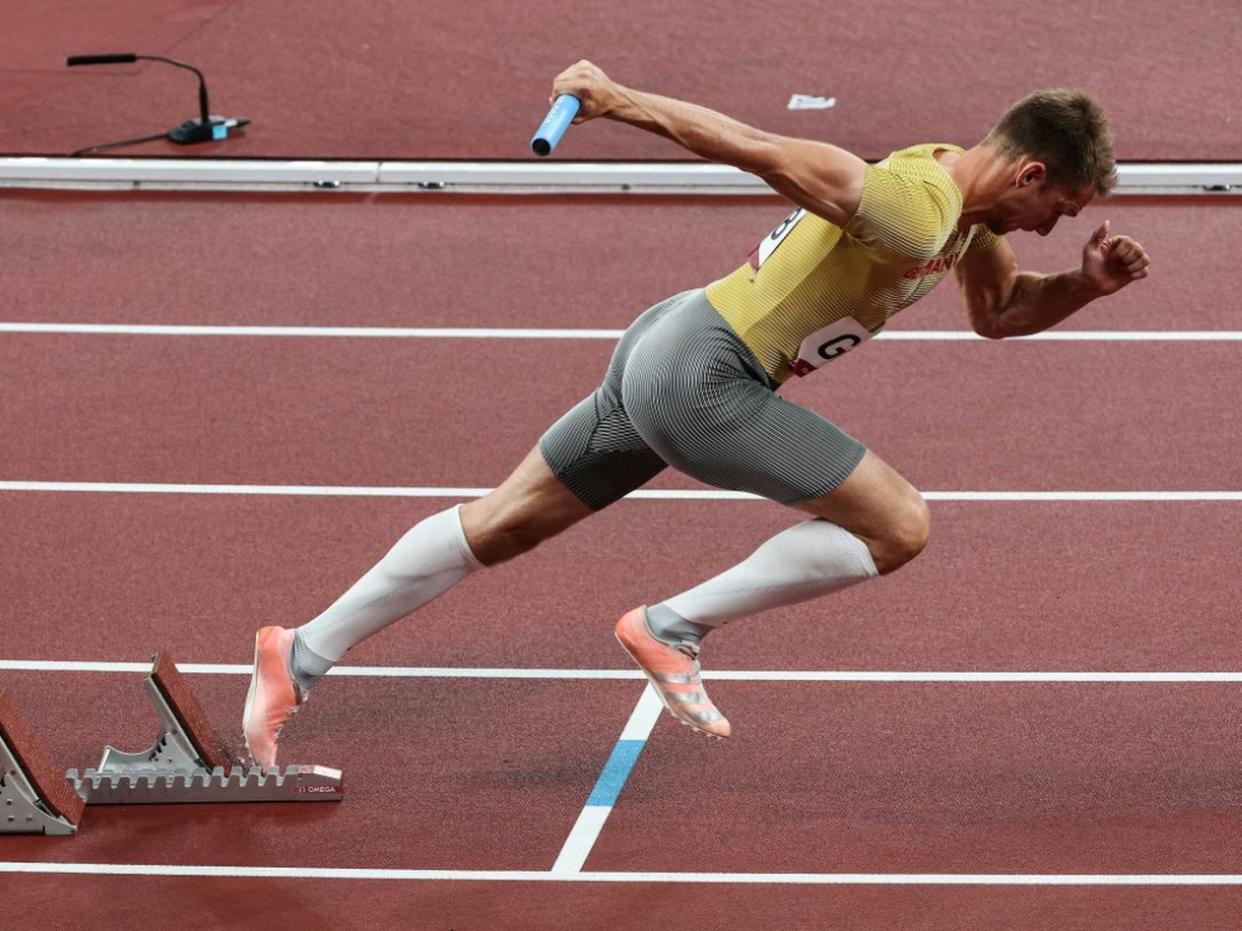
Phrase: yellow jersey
(813, 290)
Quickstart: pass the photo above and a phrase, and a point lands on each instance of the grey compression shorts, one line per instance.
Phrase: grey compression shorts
(682, 389)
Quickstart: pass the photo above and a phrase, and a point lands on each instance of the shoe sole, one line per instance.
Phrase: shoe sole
(655, 685)
(254, 683)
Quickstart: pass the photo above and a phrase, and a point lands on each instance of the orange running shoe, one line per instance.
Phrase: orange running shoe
(273, 696)
(674, 672)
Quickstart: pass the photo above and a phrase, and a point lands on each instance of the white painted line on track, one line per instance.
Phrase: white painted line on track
(109, 329)
(835, 879)
(649, 494)
(612, 779)
(722, 675)
(581, 839)
(314, 491)
(355, 332)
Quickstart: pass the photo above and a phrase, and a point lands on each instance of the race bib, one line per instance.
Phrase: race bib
(832, 342)
(774, 239)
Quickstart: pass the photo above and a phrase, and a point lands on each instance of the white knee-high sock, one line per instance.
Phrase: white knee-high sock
(431, 558)
(807, 560)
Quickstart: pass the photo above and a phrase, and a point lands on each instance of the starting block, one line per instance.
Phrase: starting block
(189, 763)
(34, 797)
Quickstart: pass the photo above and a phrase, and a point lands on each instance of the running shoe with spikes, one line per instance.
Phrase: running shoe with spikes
(673, 672)
(273, 695)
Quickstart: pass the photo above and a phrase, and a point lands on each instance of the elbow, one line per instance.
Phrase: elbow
(987, 325)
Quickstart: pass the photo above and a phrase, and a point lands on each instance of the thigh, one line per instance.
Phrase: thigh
(595, 453)
(697, 396)
(728, 430)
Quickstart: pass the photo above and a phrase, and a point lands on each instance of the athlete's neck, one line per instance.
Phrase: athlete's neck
(981, 174)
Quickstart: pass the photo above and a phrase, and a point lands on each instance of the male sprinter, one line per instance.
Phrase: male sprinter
(693, 381)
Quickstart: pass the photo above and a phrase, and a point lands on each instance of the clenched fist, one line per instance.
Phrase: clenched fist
(1111, 263)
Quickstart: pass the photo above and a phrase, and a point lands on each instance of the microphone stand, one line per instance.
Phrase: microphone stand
(204, 128)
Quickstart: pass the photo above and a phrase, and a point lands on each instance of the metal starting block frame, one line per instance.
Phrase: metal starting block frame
(34, 799)
(22, 811)
(189, 763)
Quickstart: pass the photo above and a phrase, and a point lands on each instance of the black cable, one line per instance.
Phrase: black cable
(113, 145)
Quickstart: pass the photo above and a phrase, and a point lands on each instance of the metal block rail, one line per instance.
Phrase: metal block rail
(236, 784)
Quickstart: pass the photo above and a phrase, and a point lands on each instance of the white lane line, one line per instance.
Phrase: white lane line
(649, 494)
(612, 778)
(836, 879)
(355, 332)
(345, 332)
(722, 675)
(313, 491)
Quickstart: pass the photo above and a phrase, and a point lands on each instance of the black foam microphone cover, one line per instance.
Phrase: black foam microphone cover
(123, 59)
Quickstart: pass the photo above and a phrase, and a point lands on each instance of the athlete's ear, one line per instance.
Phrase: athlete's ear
(1031, 173)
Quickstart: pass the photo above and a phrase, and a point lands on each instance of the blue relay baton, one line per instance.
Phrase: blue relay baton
(554, 124)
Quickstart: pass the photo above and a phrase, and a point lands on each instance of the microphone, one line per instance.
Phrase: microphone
(205, 128)
(101, 59)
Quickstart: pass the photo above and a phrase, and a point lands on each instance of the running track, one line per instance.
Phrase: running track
(428, 80)
(448, 773)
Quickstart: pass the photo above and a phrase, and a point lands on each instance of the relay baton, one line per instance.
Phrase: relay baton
(554, 124)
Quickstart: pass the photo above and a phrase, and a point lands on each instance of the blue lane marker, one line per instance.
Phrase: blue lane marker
(616, 771)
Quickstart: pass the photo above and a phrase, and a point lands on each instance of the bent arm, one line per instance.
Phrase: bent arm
(1002, 301)
(822, 178)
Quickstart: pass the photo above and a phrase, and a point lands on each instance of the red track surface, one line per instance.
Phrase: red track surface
(490, 774)
(329, 904)
(451, 413)
(1137, 586)
(402, 80)
(428, 260)
(432, 784)
(935, 778)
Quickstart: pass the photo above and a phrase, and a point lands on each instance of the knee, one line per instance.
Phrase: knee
(905, 537)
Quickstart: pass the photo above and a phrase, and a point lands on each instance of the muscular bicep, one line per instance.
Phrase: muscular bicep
(986, 277)
(821, 178)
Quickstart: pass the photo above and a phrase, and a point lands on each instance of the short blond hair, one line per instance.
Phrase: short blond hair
(1067, 131)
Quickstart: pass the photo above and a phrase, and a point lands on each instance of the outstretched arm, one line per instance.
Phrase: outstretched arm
(822, 178)
(1002, 301)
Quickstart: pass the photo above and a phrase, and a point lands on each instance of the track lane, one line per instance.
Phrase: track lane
(1022, 587)
(442, 85)
(429, 260)
(58, 901)
(454, 413)
(1021, 779)
(434, 778)
(928, 779)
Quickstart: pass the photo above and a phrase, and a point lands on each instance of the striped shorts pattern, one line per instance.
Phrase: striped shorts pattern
(682, 389)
